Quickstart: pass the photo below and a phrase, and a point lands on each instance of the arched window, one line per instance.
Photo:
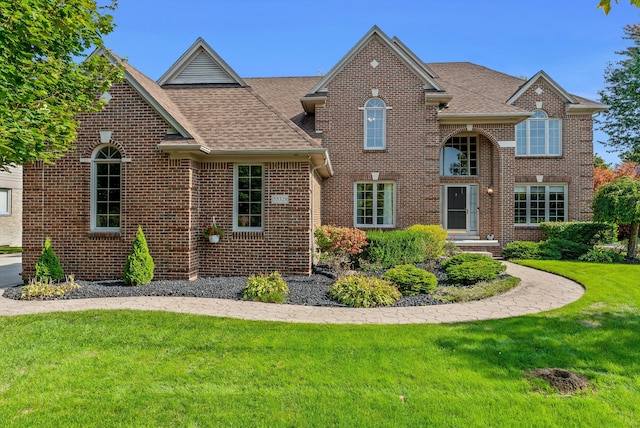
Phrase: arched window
(106, 195)
(459, 156)
(375, 113)
(538, 136)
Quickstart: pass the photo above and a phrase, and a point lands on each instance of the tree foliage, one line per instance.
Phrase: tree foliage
(605, 5)
(619, 202)
(603, 175)
(621, 122)
(48, 266)
(46, 77)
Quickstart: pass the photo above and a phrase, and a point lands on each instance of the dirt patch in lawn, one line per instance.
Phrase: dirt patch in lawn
(565, 381)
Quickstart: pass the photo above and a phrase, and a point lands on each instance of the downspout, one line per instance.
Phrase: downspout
(313, 204)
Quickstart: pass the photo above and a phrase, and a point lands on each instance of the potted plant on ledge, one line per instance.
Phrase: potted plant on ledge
(212, 232)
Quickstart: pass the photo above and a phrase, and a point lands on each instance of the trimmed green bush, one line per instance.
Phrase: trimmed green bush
(138, 270)
(48, 265)
(470, 257)
(364, 291)
(568, 250)
(266, 288)
(434, 240)
(602, 255)
(411, 280)
(524, 250)
(471, 272)
(396, 247)
(588, 232)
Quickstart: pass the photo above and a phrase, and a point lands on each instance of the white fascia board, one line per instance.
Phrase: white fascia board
(542, 75)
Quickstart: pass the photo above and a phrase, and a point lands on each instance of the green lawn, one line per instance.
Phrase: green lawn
(126, 368)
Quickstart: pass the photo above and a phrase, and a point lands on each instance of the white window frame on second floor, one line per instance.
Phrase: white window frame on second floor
(375, 124)
(371, 204)
(539, 136)
(106, 189)
(248, 197)
(537, 203)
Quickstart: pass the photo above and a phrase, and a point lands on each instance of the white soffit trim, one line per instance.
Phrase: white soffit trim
(396, 47)
(200, 64)
(542, 75)
(139, 87)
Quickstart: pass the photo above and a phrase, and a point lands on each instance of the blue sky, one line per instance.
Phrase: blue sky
(569, 39)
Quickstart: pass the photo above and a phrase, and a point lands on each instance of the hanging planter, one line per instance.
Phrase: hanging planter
(212, 232)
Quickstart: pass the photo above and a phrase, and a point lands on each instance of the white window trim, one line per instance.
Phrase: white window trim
(384, 109)
(94, 173)
(8, 193)
(546, 208)
(527, 124)
(235, 227)
(355, 206)
(467, 153)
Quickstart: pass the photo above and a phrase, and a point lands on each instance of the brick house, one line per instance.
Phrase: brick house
(381, 141)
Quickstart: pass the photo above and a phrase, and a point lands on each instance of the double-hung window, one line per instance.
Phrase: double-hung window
(249, 198)
(539, 136)
(535, 204)
(375, 117)
(106, 194)
(374, 204)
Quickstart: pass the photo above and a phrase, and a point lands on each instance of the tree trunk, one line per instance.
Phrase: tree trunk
(632, 249)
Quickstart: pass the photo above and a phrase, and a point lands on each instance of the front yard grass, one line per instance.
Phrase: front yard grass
(128, 368)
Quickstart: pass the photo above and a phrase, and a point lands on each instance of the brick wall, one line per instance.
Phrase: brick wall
(169, 198)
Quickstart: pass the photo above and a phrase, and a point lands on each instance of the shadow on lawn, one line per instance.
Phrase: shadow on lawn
(587, 341)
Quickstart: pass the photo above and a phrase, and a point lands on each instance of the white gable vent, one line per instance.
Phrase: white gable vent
(202, 69)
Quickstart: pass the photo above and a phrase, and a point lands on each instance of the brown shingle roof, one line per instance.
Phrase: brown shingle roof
(237, 119)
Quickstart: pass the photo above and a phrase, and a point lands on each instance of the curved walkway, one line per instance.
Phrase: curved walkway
(538, 291)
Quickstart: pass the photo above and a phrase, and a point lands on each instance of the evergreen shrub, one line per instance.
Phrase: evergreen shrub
(48, 265)
(411, 280)
(364, 291)
(139, 267)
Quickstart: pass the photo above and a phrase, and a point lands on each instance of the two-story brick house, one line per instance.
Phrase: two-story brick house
(381, 141)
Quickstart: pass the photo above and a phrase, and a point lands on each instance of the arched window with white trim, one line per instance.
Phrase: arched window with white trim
(375, 112)
(106, 189)
(539, 136)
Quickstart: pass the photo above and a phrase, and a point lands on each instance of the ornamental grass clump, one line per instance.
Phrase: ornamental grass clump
(266, 288)
(139, 267)
(411, 280)
(46, 289)
(48, 265)
(364, 291)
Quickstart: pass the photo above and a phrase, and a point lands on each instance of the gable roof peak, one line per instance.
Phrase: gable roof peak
(396, 46)
(544, 76)
(200, 64)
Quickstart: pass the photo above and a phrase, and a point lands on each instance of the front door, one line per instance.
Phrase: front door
(459, 208)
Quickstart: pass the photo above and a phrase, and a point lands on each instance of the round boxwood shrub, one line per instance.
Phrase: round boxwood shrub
(266, 288)
(567, 250)
(470, 257)
(471, 272)
(411, 280)
(364, 291)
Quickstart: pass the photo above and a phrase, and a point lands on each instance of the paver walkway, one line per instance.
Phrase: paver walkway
(538, 291)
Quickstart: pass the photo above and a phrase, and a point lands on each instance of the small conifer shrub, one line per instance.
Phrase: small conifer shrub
(48, 265)
(139, 267)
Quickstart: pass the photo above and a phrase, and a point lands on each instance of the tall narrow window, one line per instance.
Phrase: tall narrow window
(374, 204)
(538, 136)
(249, 200)
(459, 156)
(374, 124)
(106, 195)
